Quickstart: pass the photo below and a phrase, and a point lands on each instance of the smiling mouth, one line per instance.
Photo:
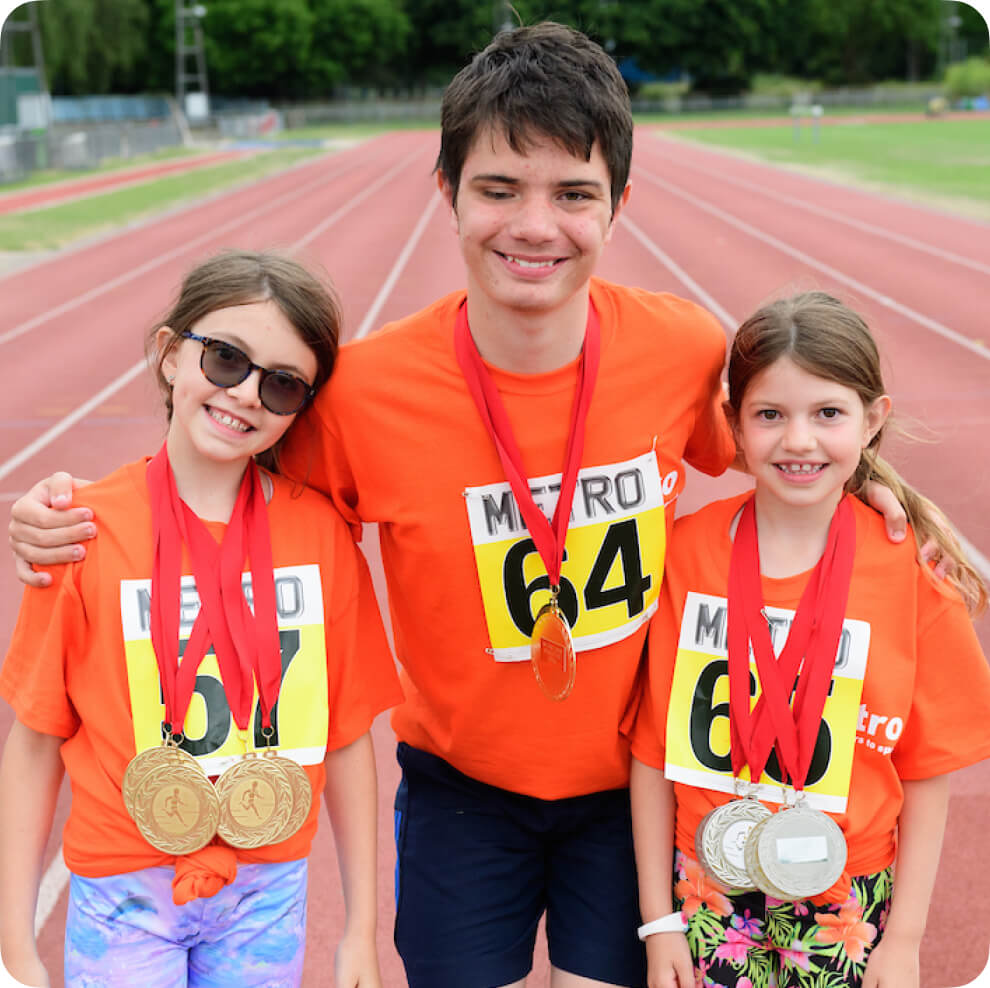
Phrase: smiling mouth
(230, 421)
(534, 265)
(800, 469)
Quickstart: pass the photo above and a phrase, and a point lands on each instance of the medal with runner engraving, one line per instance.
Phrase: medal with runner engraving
(172, 801)
(551, 648)
(797, 853)
(256, 801)
(552, 651)
(720, 841)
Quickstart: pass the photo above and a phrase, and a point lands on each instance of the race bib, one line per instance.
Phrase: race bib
(301, 716)
(698, 717)
(613, 559)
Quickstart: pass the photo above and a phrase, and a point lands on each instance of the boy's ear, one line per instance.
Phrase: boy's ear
(447, 191)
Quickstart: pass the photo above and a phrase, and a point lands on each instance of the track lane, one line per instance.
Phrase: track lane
(361, 253)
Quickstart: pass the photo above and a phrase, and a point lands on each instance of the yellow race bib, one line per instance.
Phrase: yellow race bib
(698, 717)
(613, 559)
(301, 716)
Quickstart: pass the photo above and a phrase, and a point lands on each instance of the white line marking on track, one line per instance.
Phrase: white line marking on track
(63, 425)
(370, 317)
(356, 200)
(800, 255)
(878, 231)
(725, 317)
(55, 878)
(102, 289)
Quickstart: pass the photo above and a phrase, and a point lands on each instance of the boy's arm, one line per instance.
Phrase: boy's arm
(30, 775)
(652, 798)
(351, 794)
(894, 961)
(45, 529)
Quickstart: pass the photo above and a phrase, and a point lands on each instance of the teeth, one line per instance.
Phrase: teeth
(531, 264)
(228, 420)
(800, 467)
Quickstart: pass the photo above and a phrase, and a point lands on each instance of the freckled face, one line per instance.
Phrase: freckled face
(227, 424)
(802, 435)
(531, 226)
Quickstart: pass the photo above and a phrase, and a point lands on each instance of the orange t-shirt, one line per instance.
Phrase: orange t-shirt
(909, 698)
(81, 666)
(403, 445)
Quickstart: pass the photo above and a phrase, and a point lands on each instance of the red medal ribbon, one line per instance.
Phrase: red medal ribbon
(548, 536)
(808, 656)
(246, 644)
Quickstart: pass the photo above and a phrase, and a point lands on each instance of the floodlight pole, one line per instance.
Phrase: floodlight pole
(186, 19)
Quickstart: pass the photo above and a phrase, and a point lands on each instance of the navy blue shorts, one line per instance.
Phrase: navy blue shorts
(478, 866)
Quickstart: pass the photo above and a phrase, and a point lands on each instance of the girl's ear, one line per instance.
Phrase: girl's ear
(162, 338)
(877, 414)
(733, 420)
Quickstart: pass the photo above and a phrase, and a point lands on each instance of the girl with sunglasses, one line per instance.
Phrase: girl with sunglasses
(202, 675)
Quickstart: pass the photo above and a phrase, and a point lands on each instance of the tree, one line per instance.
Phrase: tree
(356, 41)
(93, 46)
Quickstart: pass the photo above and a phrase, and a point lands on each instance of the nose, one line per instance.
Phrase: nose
(799, 436)
(248, 391)
(533, 220)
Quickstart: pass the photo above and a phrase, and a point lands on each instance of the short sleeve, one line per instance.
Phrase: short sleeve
(711, 447)
(51, 627)
(313, 455)
(361, 671)
(949, 724)
(648, 734)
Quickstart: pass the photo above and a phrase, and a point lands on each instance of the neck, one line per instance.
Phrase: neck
(209, 487)
(523, 343)
(792, 538)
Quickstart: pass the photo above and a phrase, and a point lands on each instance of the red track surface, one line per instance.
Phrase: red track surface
(76, 188)
(71, 326)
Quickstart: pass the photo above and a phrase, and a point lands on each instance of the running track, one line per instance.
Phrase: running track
(727, 232)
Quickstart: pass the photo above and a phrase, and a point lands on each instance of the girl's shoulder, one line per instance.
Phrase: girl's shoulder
(117, 496)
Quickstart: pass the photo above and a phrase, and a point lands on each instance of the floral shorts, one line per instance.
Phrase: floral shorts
(749, 940)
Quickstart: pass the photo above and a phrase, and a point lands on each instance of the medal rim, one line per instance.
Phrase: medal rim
(711, 832)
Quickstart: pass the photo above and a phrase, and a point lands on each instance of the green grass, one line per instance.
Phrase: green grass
(781, 115)
(944, 160)
(57, 225)
(50, 175)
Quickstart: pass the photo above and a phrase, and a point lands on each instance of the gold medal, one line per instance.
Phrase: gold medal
(302, 793)
(796, 853)
(171, 800)
(551, 652)
(721, 838)
(256, 801)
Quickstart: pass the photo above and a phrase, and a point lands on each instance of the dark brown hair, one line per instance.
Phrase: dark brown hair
(537, 82)
(828, 339)
(240, 277)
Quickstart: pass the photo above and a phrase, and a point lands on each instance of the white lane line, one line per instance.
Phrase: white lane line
(46, 438)
(60, 427)
(54, 880)
(812, 262)
(159, 260)
(871, 228)
(707, 300)
(371, 316)
(357, 200)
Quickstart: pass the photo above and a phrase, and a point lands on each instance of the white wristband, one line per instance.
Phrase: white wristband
(674, 923)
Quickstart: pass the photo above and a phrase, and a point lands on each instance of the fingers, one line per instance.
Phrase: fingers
(931, 555)
(882, 498)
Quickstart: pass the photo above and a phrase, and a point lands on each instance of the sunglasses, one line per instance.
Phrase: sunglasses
(224, 365)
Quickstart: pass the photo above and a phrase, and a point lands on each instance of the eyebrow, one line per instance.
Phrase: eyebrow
(569, 183)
